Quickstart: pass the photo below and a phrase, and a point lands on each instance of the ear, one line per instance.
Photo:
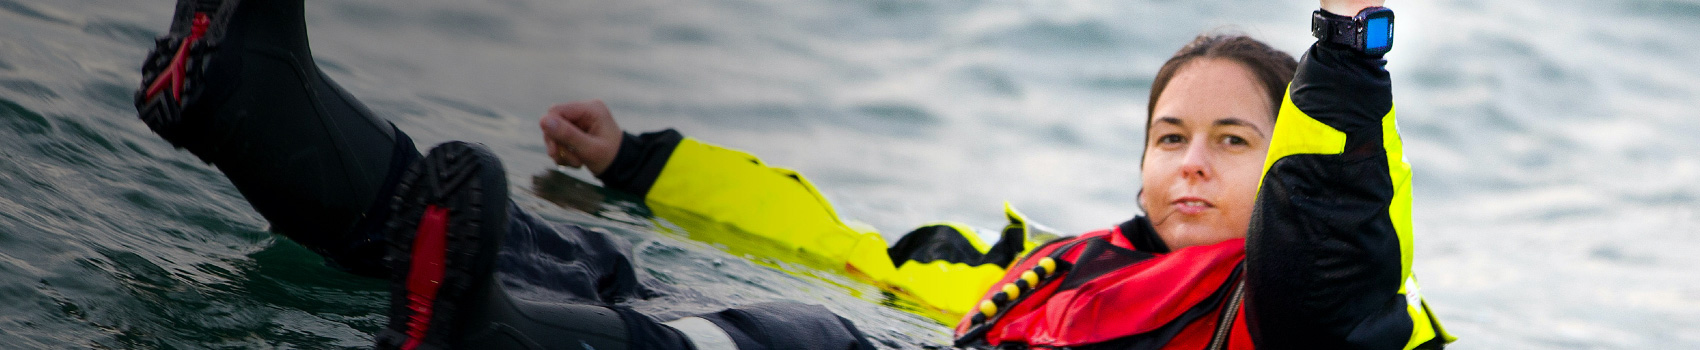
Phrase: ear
(1141, 201)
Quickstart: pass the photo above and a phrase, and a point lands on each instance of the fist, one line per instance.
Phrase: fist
(581, 133)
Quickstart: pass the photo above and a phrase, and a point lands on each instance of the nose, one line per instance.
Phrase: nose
(1195, 164)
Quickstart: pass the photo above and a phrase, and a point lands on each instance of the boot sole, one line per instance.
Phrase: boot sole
(172, 71)
(451, 211)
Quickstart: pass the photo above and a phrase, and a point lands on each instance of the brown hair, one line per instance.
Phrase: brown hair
(1273, 68)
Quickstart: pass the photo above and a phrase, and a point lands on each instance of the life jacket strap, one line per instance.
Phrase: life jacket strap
(1225, 321)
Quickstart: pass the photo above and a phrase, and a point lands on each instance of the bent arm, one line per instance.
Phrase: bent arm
(1328, 255)
(707, 188)
(693, 183)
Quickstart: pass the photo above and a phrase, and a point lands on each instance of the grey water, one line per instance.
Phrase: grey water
(1556, 147)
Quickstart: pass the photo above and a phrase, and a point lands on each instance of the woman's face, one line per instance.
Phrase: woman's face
(1204, 153)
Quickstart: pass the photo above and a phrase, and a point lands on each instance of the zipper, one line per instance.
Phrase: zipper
(1225, 323)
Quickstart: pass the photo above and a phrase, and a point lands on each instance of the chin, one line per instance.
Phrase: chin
(1189, 235)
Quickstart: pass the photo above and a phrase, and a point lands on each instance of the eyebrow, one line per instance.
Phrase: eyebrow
(1171, 120)
(1230, 121)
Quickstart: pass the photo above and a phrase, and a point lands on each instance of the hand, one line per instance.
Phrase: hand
(581, 133)
(1349, 8)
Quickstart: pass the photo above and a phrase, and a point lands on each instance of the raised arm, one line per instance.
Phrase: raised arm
(1328, 257)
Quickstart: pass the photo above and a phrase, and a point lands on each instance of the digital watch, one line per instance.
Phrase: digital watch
(1369, 32)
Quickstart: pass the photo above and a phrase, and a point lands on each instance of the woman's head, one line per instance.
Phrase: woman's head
(1211, 114)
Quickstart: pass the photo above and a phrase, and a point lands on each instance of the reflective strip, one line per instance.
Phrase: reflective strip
(704, 335)
(1298, 133)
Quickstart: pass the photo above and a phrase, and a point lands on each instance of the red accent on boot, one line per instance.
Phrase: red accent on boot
(426, 273)
(173, 73)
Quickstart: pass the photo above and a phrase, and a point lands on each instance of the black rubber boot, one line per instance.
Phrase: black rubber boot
(452, 214)
(234, 83)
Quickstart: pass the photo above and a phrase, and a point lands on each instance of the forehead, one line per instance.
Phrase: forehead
(1210, 89)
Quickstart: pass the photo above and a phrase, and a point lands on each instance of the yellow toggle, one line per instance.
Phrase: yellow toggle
(988, 308)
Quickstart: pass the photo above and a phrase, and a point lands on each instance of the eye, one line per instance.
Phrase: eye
(1234, 140)
(1170, 139)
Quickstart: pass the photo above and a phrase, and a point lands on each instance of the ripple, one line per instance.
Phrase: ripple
(900, 112)
(1617, 254)
(993, 79)
(1678, 9)
(28, 88)
(112, 94)
(473, 24)
(463, 106)
(17, 118)
(123, 32)
(86, 134)
(683, 34)
(1084, 34)
(31, 12)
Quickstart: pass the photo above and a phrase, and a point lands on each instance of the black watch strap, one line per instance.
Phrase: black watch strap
(1335, 29)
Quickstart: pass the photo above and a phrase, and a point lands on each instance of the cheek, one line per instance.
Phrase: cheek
(1242, 180)
(1149, 186)
(1153, 184)
(1156, 169)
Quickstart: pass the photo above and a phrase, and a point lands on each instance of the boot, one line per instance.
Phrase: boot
(234, 83)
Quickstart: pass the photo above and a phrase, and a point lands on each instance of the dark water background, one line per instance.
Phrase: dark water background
(1556, 146)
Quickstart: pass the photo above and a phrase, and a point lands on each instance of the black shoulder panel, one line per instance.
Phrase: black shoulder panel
(935, 242)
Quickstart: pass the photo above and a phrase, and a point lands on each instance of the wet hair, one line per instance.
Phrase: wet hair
(1273, 68)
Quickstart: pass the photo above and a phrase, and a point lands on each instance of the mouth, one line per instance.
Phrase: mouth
(1191, 205)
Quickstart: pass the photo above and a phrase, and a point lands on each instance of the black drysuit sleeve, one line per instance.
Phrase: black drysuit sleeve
(639, 161)
(1328, 257)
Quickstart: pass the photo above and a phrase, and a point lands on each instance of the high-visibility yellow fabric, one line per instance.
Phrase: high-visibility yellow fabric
(1298, 133)
(1399, 169)
(711, 191)
(734, 187)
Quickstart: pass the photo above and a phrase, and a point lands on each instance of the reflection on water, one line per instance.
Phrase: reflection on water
(1554, 146)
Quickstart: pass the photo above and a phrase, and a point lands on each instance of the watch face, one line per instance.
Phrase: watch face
(1378, 34)
(1377, 30)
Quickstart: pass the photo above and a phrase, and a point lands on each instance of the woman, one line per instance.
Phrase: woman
(234, 83)
(1326, 263)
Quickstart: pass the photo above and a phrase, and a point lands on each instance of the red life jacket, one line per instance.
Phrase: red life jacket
(1103, 293)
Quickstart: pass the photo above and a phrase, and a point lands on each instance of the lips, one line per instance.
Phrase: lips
(1191, 205)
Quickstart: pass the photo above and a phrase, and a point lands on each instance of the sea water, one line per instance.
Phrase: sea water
(1556, 147)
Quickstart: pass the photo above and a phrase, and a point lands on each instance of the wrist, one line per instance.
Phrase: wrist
(1349, 8)
(624, 147)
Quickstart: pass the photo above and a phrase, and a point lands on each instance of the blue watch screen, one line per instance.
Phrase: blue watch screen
(1375, 35)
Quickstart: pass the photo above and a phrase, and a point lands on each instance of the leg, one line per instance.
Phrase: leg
(578, 264)
(452, 215)
(234, 83)
(452, 219)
